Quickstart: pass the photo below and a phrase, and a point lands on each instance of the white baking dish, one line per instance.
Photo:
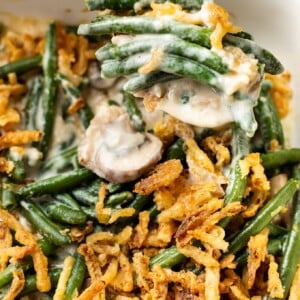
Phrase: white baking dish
(273, 23)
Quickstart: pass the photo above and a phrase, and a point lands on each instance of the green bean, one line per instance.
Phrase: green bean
(45, 226)
(62, 160)
(136, 4)
(21, 65)
(237, 184)
(33, 102)
(153, 211)
(290, 258)
(168, 258)
(170, 44)
(76, 278)
(170, 64)
(86, 115)
(89, 211)
(269, 122)
(49, 92)
(275, 247)
(265, 215)
(8, 197)
(142, 81)
(84, 196)
(46, 246)
(30, 281)
(6, 275)
(118, 199)
(72, 92)
(280, 158)
(62, 213)
(18, 173)
(68, 200)
(271, 64)
(136, 117)
(192, 33)
(176, 151)
(276, 230)
(56, 184)
(114, 187)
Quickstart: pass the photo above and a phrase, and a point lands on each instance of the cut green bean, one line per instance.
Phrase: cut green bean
(197, 34)
(137, 4)
(136, 117)
(8, 197)
(276, 230)
(168, 258)
(114, 187)
(18, 173)
(172, 64)
(56, 184)
(76, 278)
(62, 213)
(68, 200)
(44, 225)
(84, 196)
(30, 281)
(280, 158)
(268, 119)
(139, 82)
(33, 103)
(170, 44)
(21, 65)
(118, 199)
(62, 160)
(49, 92)
(46, 246)
(290, 258)
(176, 151)
(265, 215)
(85, 115)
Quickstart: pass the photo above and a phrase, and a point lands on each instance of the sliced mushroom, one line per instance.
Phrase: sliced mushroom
(95, 79)
(113, 150)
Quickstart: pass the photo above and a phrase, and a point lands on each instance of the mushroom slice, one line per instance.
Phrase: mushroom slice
(113, 150)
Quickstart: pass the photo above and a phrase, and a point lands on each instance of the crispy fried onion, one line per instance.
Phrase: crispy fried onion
(258, 185)
(169, 127)
(16, 286)
(18, 138)
(211, 15)
(219, 150)
(17, 46)
(257, 254)
(74, 54)
(295, 288)
(5, 242)
(163, 175)
(281, 92)
(6, 166)
(30, 247)
(107, 262)
(107, 215)
(275, 288)
(63, 278)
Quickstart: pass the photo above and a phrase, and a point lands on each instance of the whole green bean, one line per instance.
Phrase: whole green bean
(192, 33)
(62, 213)
(44, 225)
(21, 65)
(290, 258)
(143, 81)
(135, 114)
(269, 123)
(265, 215)
(170, 44)
(280, 158)
(68, 200)
(170, 64)
(56, 184)
(76, 278)
(168, 258)
(49, 92)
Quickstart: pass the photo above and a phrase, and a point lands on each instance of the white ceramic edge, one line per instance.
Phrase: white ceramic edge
(274, 24)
